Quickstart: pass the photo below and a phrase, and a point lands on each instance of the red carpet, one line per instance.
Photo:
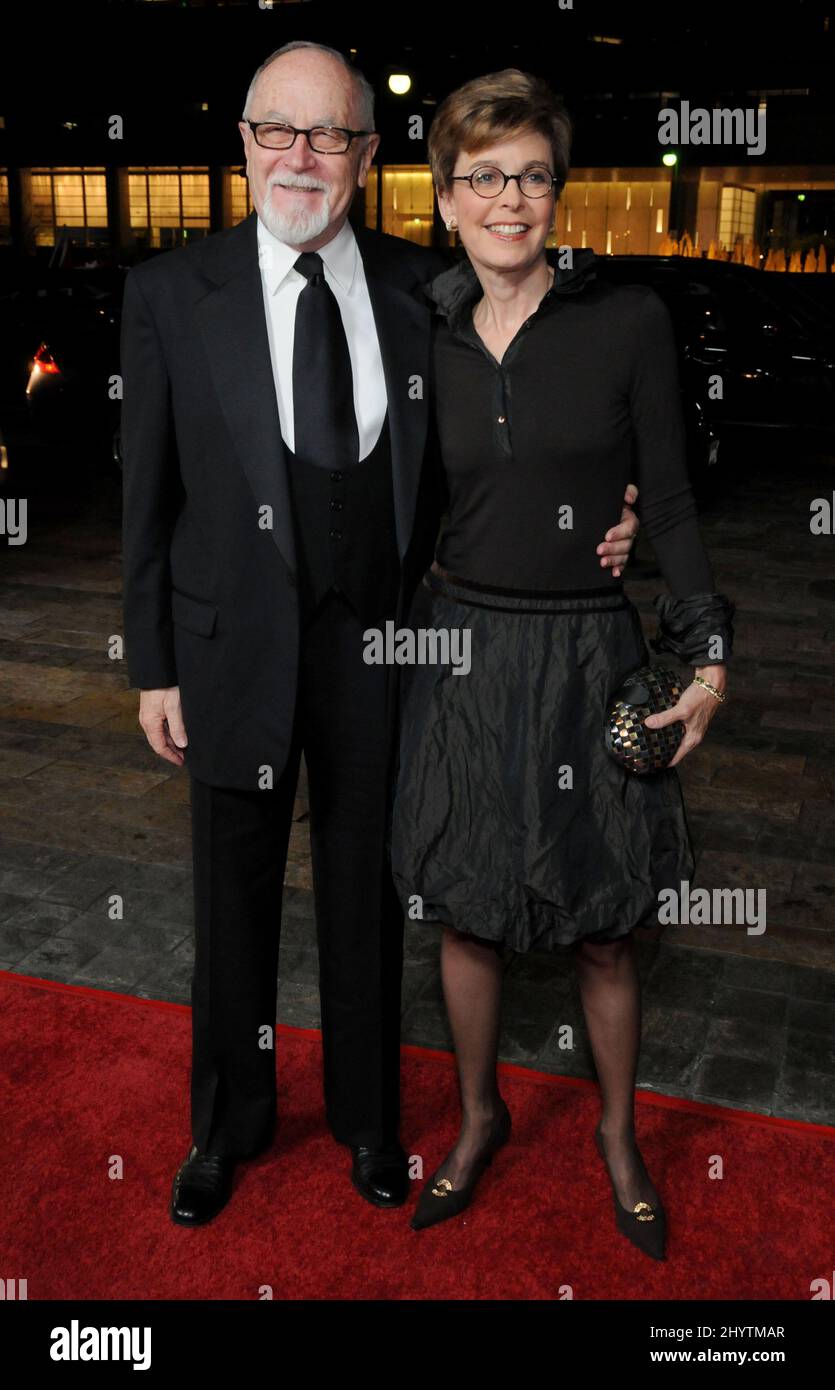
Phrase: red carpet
(86, 1075)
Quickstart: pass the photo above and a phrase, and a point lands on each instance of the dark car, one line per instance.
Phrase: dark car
(59, 364)
(755, 350)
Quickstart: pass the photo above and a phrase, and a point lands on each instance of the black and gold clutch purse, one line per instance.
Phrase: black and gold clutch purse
(647, 690)
(697, 630)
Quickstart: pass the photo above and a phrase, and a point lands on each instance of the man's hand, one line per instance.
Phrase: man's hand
(161, 718)
(618, 542)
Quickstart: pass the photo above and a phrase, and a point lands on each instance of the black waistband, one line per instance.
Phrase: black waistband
(615, 586)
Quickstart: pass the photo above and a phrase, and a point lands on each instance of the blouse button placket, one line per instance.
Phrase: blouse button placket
(501, 413)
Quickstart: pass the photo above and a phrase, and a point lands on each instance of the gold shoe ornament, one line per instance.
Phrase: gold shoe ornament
(644, 1212)
(443, 1189)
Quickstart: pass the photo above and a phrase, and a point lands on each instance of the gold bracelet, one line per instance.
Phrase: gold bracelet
(700, 680)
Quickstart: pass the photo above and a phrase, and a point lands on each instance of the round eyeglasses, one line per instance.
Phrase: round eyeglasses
(322, 139)
(487, 181)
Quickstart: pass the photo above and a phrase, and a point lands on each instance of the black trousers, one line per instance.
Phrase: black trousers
(240, 842)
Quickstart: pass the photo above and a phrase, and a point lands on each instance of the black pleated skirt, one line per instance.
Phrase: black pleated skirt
(511, 821)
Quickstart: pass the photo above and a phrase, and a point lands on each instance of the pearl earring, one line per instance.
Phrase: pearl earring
(451, 224)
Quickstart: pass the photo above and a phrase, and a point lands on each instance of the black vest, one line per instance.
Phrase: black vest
(345, 532)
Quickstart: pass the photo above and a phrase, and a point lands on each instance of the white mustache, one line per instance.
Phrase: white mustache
(298, 181)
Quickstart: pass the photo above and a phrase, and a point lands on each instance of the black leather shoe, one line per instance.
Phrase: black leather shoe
(201, 1188)
(381, 1175)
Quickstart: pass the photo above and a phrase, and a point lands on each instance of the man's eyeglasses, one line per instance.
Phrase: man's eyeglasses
(487, 181)
(323, 139)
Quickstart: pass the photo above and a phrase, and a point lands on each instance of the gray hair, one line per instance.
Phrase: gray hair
(362, 87)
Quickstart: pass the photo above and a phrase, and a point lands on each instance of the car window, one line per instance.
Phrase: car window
(759, 309)
(695, 306)
(798, 303)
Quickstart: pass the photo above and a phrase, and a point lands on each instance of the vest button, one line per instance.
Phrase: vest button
(336, 476)
(335, 535)
(501, 419)
(336, 506)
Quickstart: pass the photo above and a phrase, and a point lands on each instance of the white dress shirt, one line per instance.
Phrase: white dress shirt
(345, 274)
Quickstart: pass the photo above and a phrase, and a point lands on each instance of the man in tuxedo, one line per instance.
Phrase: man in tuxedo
(281, 495)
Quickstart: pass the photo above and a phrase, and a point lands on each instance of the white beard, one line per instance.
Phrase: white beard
(296, 228)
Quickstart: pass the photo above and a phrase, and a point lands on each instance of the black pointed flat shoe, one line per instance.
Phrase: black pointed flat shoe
(645, 1225)
(440, 1200)
(202, 1187)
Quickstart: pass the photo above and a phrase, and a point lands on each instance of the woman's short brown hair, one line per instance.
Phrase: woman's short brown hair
(492, 108)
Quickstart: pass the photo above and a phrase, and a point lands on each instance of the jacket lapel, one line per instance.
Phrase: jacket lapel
(403, 331)
(234, 327)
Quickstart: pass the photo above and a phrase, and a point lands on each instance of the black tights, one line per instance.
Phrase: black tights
(472, 971)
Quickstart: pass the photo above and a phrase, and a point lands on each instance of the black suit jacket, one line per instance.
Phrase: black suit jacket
(209, 553)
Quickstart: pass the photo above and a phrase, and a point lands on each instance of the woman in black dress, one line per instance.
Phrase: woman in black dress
(513, 827)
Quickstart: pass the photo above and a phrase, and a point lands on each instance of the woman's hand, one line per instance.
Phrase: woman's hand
(615, 548)
(695, 709)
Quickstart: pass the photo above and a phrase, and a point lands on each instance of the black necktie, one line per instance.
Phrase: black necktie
(324, 421)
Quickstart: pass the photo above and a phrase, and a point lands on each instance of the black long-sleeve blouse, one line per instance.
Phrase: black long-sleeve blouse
(538, 448)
